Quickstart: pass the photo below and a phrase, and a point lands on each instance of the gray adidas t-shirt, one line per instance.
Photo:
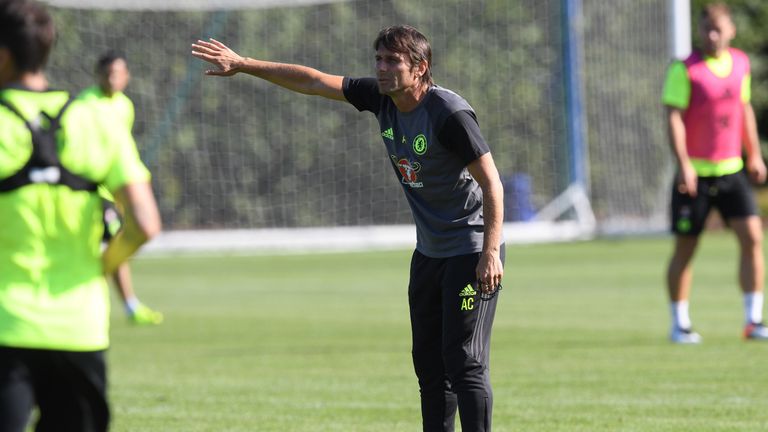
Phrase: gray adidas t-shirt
(429, 149)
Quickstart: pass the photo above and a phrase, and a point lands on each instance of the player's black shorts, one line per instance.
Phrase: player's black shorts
(69, 389)
(731, 195)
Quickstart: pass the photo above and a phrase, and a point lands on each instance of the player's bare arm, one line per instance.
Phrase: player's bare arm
(754, 161)
(687, 180)
(490, 269)
(142, 223)
(298, 78)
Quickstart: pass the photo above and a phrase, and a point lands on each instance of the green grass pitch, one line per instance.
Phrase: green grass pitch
(321, 343)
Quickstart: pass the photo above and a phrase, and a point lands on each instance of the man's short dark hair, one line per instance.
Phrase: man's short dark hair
(27, 31)
(715, 10)
(106, 60)
(407, 40)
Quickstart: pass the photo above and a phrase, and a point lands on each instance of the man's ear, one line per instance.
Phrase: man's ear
(7, 66)
(422, 68)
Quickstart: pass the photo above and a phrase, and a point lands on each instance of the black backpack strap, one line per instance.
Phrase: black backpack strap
(45, 148)
(13, 109)
(44, 165)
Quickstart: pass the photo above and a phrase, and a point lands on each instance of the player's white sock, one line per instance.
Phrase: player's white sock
(753, 307)
(680, 317)
(131, 304)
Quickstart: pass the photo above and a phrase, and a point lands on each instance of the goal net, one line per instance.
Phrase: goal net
(568, 104)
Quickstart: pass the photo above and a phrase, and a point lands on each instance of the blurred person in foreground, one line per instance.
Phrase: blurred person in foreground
(450, 180)
(54, 299)
(112, 77)
(711, 120)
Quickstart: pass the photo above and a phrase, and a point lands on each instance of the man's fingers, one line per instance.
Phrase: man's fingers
(759, 175)
(489, 285)
(202, 56)
(206, 45)
(215, 72)
(198, 50)
(686, 189)
(203, 49)
(485, 287)
(217, 43)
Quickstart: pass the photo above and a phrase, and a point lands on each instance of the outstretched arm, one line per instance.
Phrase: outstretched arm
(490, 269)
(298, 78)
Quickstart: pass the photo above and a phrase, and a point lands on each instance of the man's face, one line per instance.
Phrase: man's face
(115, 77)
(394, 72)
(716, 34)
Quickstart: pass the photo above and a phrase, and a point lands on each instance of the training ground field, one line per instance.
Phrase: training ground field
(321, 343)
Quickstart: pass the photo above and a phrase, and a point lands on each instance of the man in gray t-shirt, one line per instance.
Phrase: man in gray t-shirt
(450, 180)
(430, 148)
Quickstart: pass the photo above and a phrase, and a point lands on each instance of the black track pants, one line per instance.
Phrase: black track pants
(451, 328)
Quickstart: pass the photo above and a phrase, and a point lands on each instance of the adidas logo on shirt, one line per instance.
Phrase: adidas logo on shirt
(389, 134)
(468, 291)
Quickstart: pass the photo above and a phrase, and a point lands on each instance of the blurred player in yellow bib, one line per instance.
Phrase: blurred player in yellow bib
(112, 77)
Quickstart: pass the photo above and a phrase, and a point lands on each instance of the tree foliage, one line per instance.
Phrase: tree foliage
(241, 153)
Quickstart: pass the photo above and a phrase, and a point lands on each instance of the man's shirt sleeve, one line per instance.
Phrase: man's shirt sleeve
(677, 86)
(362, 93)
(461, 134)
(746, 89)
(126, 166)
